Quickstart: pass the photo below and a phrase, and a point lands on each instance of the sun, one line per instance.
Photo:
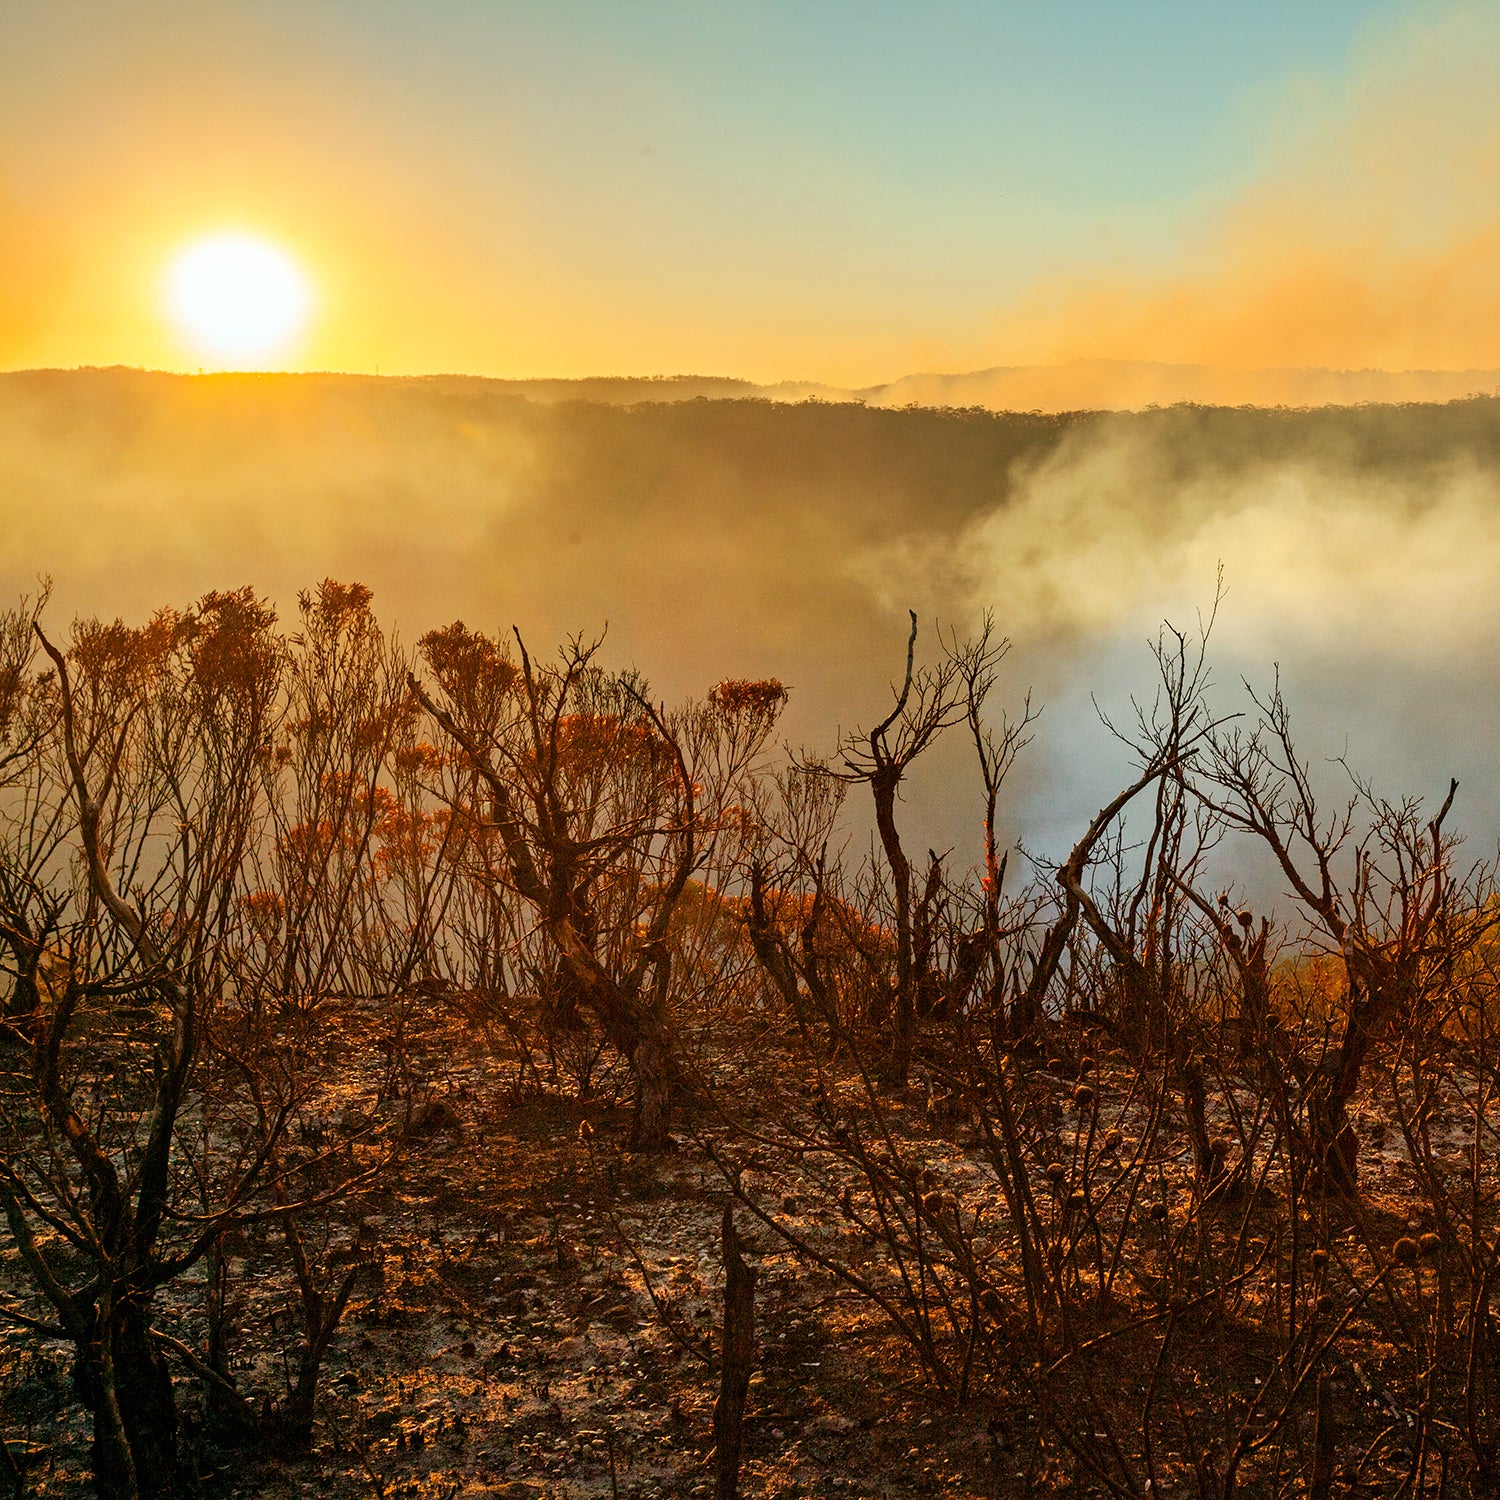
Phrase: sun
(237, 298)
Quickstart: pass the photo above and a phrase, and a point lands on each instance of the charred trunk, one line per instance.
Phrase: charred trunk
(1376, 995)
(1331, 1137)
(652, 1062)
(322, 1312)
(737, 1362)
(1208, 1154)
(898, 1057)
(127, 1390)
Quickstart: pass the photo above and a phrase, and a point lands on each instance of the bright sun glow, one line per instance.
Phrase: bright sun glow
(236, 297)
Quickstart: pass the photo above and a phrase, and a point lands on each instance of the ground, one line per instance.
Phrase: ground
(503, 1341)
(536, 1314)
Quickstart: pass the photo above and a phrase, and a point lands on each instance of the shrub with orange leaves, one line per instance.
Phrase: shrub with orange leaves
(759, 699)
(471, 668)
(419, 760)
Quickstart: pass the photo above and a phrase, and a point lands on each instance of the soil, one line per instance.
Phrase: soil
(504, 1340)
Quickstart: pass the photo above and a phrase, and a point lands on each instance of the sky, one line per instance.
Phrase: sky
(846, 191)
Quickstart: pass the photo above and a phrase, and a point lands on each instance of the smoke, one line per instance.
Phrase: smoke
(1365, 583)
(1120, 528)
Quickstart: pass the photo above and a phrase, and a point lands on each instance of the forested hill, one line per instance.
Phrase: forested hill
(457, 494)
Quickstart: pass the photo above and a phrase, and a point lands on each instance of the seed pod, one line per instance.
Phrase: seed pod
(1429, 1244)
(1113, 1140)
(1055, 1065)
(992, 1302)
(1404, 1251)
(1083, 1097)
(1319, 1258)
(1056, 1171)
(1077, 1202)
(1157, 1211)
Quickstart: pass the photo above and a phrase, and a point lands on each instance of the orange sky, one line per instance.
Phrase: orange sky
(537, 190)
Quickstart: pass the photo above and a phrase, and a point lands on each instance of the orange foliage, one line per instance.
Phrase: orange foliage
(470, 666)
(585, 740)
(738, 696)
(407, 837)
(840, 929)
(420, 759)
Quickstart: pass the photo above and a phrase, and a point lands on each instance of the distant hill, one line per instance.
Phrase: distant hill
(1081, 385)
(1120, 385)
(609, 390)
